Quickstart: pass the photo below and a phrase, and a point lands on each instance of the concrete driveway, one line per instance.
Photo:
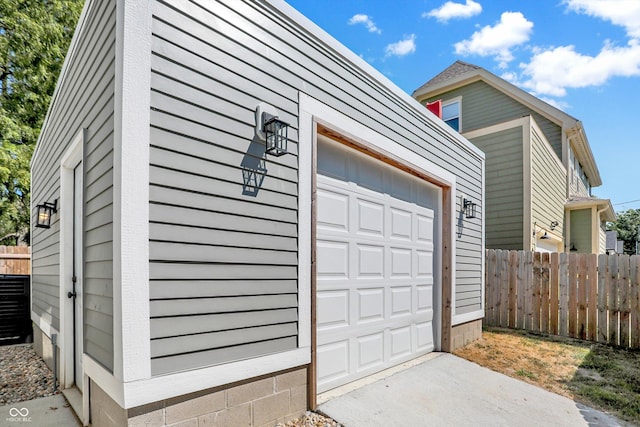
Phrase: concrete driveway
(445, 390)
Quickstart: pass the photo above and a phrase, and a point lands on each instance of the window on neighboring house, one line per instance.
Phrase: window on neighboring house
(451, 114)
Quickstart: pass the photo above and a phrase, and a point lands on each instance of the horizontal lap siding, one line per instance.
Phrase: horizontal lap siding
(580, 223)
(548, 185)
(484, 105)
(503, 188)
(213, 238)
(83, 100)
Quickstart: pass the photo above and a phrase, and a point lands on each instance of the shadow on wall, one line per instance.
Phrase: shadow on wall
(254, 168)
(460, 225)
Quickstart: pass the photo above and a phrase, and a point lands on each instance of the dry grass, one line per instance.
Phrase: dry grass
(593, 374)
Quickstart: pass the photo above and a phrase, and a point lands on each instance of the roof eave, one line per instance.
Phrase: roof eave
(582, 150)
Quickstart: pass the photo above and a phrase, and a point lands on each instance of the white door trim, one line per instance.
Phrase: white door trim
(69, 161)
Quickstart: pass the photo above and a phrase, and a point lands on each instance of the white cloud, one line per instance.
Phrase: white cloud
(512, 30)
(625, 13)
(451, 10)
(403, 47)
(365, 20)
(552, 71)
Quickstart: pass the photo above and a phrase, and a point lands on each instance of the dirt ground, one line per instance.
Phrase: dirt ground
(589, 373)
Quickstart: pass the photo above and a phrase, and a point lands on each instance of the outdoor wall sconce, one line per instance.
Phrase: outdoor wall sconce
(553, 225)
(469, 208)
(272, 130)
(276, 135)
(545, 236)
(44, 212)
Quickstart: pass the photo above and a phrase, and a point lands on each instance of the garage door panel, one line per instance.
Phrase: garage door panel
(370, 219)
(400, 224)
(374, 270)
(333, 309)
(425, 228)
(424, 332)
(333, 258)
(400, 342)
(424, 297)
(336, 356)
(424, 263)
(371, 305)
(370, 261)
(401, 301)
(370, 351)
(400, 263)
(335, 215)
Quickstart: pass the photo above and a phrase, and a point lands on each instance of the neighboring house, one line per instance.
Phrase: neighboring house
(539, 167)
(188, 275)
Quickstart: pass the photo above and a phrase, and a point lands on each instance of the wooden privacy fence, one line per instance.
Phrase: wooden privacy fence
(587, 296)
(15, 260)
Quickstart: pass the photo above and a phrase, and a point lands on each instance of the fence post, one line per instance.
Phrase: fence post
(623, 280)
(504, 289)
(635, 301)
(592, 290)
(563, 307)
(520, 290)
(582, 296)
(513, 283)
(488, 291)
(535, 291)
(603, 322)
(554, 265)
(544, 295)
(573, 295)
(612, 297)
(528, 290)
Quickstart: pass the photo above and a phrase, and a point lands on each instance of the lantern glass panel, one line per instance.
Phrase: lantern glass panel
(276, 132)
(43, 217)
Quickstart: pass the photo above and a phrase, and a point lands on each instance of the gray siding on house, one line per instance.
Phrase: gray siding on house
(548, 185)
(484, 105)
(84, 100)
(580, 223)
(504, 188)
(216, 244)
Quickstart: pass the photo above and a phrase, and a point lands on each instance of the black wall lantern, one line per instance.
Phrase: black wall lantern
(44, 212)
(276, 135)
(270, 129)
(469, 208)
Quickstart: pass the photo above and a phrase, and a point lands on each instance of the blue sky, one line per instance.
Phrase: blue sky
(583, 56)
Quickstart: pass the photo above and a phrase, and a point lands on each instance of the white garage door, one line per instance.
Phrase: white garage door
(375, 281)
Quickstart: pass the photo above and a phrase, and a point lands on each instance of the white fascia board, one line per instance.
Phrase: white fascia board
(360, 63)
(132, 349)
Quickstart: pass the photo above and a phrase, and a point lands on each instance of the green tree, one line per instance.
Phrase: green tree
(627, 225)
(34, 38)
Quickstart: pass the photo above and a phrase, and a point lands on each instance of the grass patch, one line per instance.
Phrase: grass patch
(596, 375)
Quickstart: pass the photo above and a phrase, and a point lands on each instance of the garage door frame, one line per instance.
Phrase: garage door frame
(318, 118)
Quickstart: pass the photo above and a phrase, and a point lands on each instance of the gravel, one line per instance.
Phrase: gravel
(311, 419)
(23, 374)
